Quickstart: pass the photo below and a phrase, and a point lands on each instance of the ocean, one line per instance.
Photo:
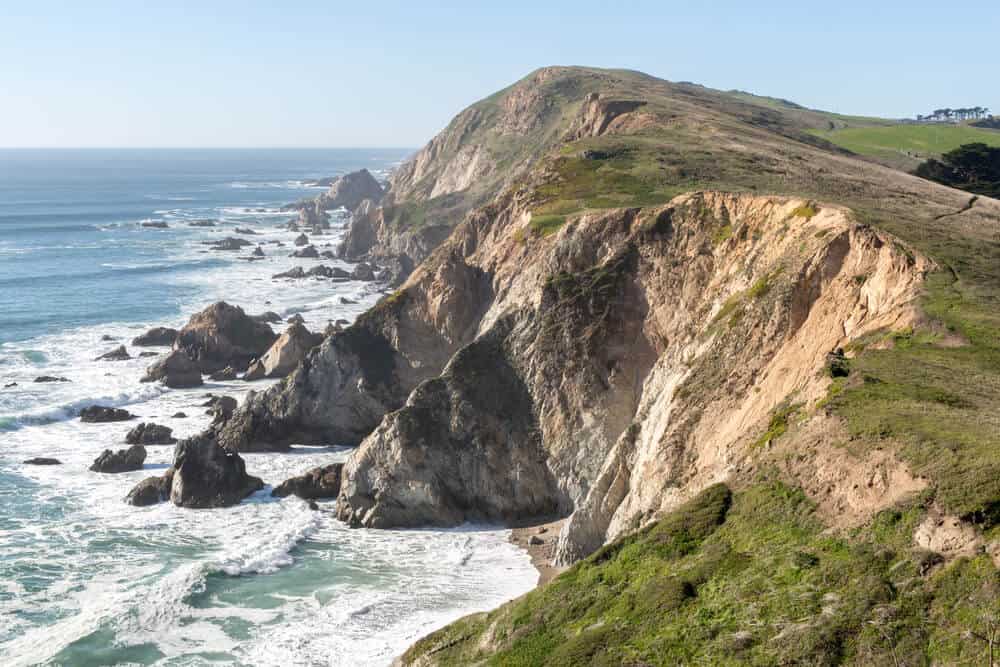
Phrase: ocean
(86, 579)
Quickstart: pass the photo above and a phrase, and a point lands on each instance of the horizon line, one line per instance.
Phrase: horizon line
(142, 148)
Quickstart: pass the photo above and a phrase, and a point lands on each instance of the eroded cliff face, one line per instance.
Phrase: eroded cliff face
(619, 365)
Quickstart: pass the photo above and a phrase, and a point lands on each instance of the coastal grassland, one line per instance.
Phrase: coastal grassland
(893, 142)
(745, 577)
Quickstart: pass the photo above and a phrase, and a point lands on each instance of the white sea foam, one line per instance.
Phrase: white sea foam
(265, 582)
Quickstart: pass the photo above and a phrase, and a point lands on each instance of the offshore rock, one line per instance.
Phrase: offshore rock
(206, 475)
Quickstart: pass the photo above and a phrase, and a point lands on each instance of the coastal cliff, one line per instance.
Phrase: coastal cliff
(627, 294)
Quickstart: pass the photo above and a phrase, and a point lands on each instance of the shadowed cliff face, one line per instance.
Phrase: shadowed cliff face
(620, 364)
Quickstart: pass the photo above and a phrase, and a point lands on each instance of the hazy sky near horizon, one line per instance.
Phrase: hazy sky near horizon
(330, 73)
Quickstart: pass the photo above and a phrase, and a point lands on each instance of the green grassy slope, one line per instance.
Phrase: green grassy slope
(905, 143)
(741, 579)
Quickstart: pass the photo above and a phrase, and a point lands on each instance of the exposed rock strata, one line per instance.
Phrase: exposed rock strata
(651, 346)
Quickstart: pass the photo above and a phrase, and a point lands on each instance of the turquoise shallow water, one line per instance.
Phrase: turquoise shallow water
(87, 580)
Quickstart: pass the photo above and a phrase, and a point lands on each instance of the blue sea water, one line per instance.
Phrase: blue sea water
(86, 579)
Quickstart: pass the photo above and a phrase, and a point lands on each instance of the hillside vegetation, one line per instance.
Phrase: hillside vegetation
(744, 578)
(904, 145)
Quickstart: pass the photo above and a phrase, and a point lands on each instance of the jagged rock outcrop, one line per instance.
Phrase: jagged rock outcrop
(151, 490)
(350, 190)
(466, 447)
(98, 414)
(320, 482)
(206, 475)
(344, 387)
(156, 336)
(123, 460)
(223, 335)
(361, 234)
(287, 352)
(176, 370)
(649, 346)
(150, 434)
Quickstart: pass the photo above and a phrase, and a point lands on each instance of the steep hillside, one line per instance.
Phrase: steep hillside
(677, 287)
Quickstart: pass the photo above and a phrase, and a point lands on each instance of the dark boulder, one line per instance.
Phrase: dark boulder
(296, 319)
(124, 460)
(177, 370)
(151, 490)
(156, 336)
(228, 244)
(220, 407)
(301, 240)
(363, 272)
(50, 378)
(308, 252)
(297, 272)
(42, 461)
(226, 374)
(117, 354)
(179, 415)
(223, 335)
(258, 252)
(206, 475)
(150, 434)
(98, 414)
(321, 482)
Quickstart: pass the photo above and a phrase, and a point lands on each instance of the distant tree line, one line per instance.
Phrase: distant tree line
(971, 167)
(946, 115)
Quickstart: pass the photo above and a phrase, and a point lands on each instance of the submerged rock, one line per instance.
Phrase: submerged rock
(206, 475)
(177, 370)
(42, 461)
(150, 434)
(124, 460)
(117, 354)
(151, 490)
(97, 414)
(50, 378)
(245, 231)
(156, 336)
(228, 244)
(154, 224)
(321, 482)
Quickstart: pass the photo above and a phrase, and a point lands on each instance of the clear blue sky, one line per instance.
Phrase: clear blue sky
(383, 73)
